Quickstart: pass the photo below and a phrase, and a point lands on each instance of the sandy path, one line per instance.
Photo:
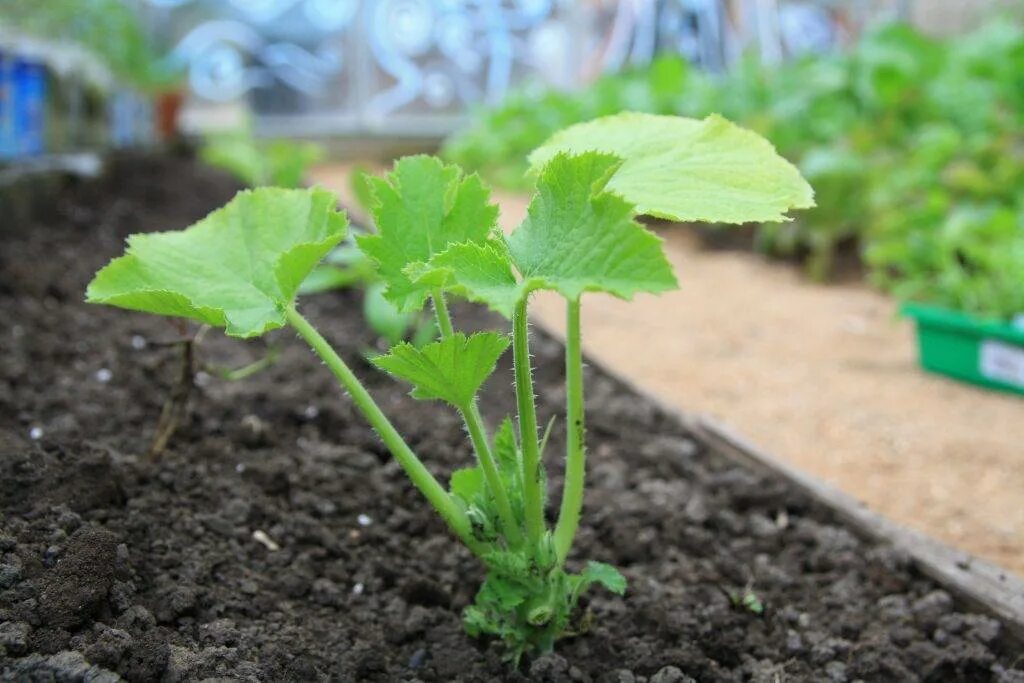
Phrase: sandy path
(824, 377)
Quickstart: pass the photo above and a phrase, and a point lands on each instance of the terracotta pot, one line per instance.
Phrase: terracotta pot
(168, 106)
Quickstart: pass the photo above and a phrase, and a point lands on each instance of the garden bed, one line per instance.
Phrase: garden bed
(276, 540)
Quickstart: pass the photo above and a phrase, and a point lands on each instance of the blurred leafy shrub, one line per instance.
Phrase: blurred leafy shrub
(110, 29)
(914, 146)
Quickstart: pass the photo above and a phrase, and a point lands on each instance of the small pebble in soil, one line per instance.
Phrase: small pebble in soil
(266, 541)
(670, 674)
(417, 659)
(364, 520)
(103, 375)
(357, 589)
(35, 433)
(14, 636)
(836, 672)
(138, 342)
(50, 556)
(201, 378)
(311, 412)
(240, 467)
(9, 573)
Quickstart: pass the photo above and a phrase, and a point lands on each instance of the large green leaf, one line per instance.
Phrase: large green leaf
(577, 238)
(452, 369)
(420, 208)
(238, 268)
(688, 169)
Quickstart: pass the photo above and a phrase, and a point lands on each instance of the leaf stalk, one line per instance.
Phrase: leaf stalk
(475, 427)
(533, 477)
(421, 477)
(575, 443)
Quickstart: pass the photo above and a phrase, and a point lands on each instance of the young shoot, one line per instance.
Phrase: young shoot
(240, 268)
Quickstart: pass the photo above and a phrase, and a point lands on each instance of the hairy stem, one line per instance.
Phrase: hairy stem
(444, 319)
(478, 435)
(418, 473)
(532, 475)
(575, 446)
(475, 426)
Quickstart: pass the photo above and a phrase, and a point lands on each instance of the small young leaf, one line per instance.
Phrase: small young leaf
(238, 268)
(452, 369)
(688, 169)
(604, 574)
(422, 207)
(383, 317)
(477, 272)
(506, 451)
(467, 483)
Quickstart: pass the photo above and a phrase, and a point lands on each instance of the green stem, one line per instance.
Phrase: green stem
(418, 473)
(478, 435)
(444, 319)
(532, 475)
(575, 445)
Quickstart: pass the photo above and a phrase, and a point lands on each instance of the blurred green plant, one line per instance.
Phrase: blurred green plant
(260, 163)
(110, 29)
(907, 140)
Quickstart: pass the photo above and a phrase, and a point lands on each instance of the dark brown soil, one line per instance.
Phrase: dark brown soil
(114, 566)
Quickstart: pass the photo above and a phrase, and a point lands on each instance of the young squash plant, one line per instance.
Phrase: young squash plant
(241, 267)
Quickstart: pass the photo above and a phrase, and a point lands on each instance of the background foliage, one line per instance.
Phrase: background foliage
(915, 148)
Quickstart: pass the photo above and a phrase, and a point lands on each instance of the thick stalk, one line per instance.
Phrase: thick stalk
(533, 477)
(418, 473)
(575, 446)
(444, 319)
(475, 426)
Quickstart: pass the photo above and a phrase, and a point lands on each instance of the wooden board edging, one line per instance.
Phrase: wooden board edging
(976, 582)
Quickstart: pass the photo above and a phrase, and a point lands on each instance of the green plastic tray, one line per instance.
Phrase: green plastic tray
(983, 352)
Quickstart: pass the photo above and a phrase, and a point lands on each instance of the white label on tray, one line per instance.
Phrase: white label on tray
(1002, 362)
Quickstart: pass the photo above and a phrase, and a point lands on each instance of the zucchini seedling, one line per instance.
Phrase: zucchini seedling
(241, 267)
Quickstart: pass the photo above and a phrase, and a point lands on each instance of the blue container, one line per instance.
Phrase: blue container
(8, 140)
(121, 115)
(29, 107)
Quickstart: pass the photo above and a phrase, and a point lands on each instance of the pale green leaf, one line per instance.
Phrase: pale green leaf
(421, 208)
(688, 169)
(468, 484)
(236, 154)
(479, 272)
(604, 574)
(506, 451)
(383, 317)
(505, 593)
(238, 268)
(452, 369)
(577, 237)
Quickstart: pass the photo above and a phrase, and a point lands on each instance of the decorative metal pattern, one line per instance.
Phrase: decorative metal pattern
(415, 66)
